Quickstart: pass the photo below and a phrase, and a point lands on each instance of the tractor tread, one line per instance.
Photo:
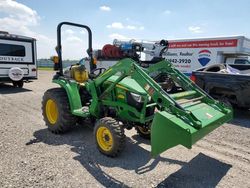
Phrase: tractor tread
(117, 133)
(65, 120)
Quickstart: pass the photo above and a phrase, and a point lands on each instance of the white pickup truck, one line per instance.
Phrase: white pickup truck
(191, 54)
(18, 60)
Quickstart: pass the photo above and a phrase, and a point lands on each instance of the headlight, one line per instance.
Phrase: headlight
(136, 97)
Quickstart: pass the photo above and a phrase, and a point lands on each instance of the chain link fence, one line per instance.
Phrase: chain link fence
(47, 63)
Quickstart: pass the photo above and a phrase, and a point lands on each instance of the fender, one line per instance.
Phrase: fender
(72, 89)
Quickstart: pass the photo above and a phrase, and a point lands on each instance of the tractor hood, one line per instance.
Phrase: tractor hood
(128, 84)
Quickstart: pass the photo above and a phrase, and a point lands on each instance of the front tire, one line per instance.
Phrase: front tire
(143, 132)
(109, 137)
(56, 111)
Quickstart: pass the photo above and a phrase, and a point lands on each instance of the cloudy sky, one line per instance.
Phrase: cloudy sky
(122, 19)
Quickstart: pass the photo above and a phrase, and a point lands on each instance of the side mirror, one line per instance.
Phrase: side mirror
(55, 60)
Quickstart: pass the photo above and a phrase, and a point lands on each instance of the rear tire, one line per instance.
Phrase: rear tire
(109, 137)
(18, 83)
(166, 82)
(56, 111)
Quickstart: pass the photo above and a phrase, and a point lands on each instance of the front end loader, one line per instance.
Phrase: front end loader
(125, 96)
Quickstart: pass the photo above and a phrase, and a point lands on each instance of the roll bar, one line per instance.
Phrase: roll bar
(59, 44)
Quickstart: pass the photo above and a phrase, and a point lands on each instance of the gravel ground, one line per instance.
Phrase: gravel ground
(31, 156)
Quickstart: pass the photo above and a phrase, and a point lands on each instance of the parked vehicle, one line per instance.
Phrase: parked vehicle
(18, 59)
(190, 54)
(227, 83)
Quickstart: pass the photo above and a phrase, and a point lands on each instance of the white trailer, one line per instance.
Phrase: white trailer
(18, 60)
(191, 54)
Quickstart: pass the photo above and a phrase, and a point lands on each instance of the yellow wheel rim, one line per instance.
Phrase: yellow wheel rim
(51, 111)
(104, 138)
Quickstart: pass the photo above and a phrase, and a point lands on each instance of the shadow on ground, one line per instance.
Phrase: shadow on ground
(8, 89)
(201, 171)
(134, 158)
(241, 118)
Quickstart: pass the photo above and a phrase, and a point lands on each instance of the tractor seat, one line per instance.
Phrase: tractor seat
(79, 73)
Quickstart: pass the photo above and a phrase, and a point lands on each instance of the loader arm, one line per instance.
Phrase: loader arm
(128, 67)
(181, 118)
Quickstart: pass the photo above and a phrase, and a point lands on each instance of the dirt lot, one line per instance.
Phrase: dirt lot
(30, 156)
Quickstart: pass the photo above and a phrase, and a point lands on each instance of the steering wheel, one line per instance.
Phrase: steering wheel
(81, 61)
(96, 72)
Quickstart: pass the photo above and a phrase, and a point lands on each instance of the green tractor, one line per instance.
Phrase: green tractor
(125, 96)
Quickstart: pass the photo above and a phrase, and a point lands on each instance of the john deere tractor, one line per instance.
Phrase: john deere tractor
(125, 96)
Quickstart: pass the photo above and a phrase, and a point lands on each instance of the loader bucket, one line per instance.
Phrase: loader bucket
(168, 130)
